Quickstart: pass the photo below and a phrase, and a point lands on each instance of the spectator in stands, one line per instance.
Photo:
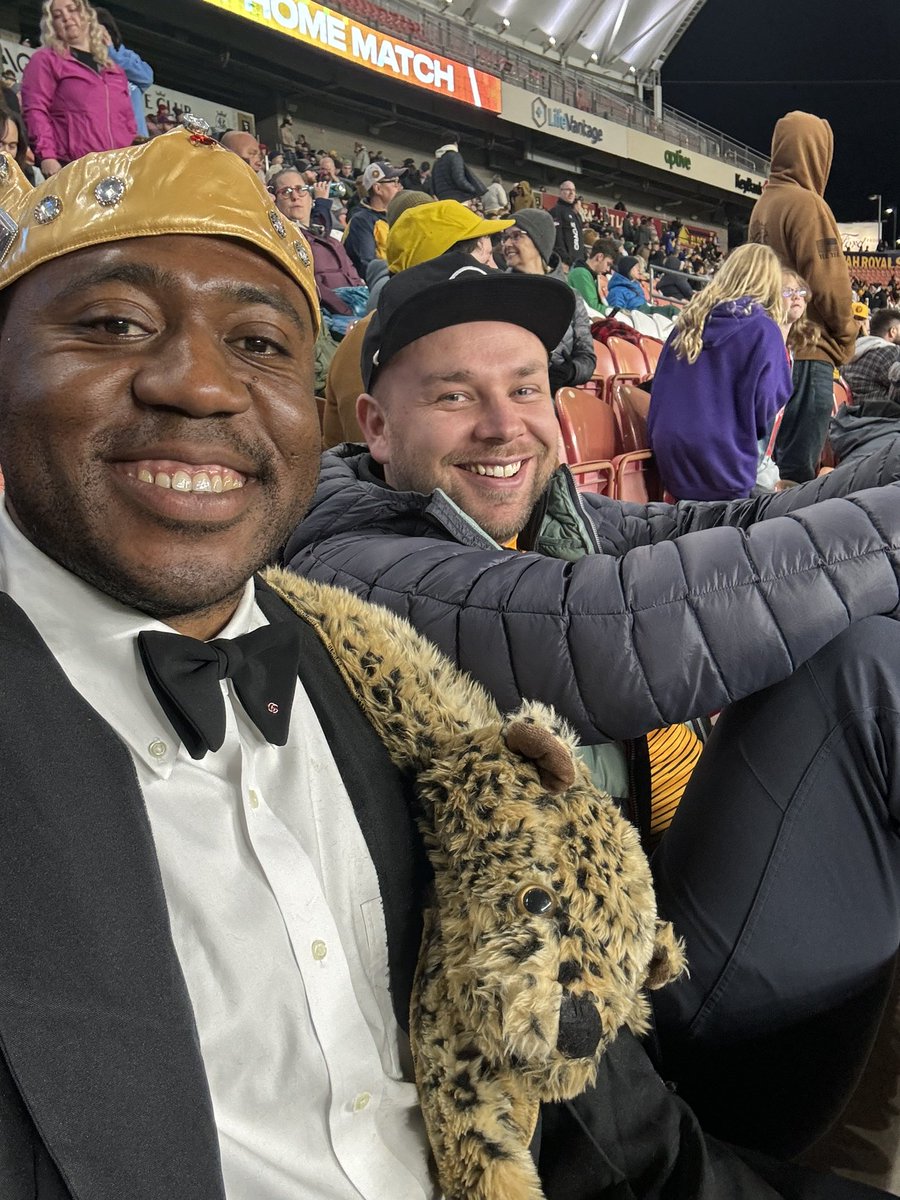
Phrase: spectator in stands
(646, 232)
(720, 380)
(361, 158)
(367, 229)
(346, 171)
(138, 73)
(14, 143)
(495, 200)
(451, 178)
(245, 146)
(673, 283)
(873, 373)
(635, 612)
(307, 204)
(626, 290)
(629, 230)
(569, 245)
(521, 196)
(657, 255)
(529, 250)
(420, 229)
(792, 217)
(286, 138)
(584, 276)
(9, 95)
(75, 99)
(861, 315)
(379, 269)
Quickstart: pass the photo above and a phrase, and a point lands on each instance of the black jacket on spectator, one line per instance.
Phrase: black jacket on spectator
(569, 232)
(451, 179)
(674, 285)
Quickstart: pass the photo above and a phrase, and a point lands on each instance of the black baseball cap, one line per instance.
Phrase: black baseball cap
(456, 289)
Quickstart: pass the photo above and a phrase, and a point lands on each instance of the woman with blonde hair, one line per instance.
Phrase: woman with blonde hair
(75, 99)
(720, 380)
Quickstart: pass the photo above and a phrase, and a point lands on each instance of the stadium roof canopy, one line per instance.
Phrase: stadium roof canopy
(622, 33)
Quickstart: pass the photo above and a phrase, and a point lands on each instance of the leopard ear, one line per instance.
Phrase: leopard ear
(668, 961)
(552, 757)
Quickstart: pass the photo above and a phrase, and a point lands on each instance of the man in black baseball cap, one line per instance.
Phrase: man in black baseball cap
(469, 347)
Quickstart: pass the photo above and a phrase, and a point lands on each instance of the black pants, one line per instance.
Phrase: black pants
(782, 872)
(804, 425)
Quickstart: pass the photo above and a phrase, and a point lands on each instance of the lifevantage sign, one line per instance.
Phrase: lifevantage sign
(547, 116)
(320, 27)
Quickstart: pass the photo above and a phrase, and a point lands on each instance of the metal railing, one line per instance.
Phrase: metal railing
(454, 39)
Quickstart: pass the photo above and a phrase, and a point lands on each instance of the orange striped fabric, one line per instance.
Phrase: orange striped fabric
(673, 755)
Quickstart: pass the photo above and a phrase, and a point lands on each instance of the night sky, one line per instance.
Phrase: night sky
(767, 57)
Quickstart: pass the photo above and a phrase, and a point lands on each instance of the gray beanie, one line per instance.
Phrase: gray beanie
(539, 226)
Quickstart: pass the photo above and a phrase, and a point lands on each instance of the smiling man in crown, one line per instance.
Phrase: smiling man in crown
(227, 798)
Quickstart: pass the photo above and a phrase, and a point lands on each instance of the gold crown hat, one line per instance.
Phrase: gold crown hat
(182, 181)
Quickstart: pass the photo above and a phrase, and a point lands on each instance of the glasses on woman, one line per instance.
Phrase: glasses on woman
(512, 235)
(789, 292)
(290, 192)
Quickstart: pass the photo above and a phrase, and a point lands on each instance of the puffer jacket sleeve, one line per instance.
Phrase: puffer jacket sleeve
(623, 644)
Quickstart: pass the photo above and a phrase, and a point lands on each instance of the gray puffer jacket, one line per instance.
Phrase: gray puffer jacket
(626, 617)
(572, 362)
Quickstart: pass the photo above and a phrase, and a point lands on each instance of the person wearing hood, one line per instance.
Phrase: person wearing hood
(873, 373)
(720, 380)
(528, 250)
(793, 219)
(451, 179)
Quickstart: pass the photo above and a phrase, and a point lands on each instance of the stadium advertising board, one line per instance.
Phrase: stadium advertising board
(363, 46)
(859, 237)
(688, 164)
(537, 112)
(163, 106)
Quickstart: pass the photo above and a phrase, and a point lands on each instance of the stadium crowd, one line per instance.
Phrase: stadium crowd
(431, 609)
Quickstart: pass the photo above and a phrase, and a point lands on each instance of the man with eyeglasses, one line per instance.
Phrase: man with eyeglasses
(569, 227)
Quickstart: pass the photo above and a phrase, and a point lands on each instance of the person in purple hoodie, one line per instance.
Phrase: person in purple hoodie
(720, 381)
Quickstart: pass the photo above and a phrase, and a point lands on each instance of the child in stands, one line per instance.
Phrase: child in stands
(720, 381)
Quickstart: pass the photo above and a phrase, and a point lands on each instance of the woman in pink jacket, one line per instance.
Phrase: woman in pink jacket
(74, 98)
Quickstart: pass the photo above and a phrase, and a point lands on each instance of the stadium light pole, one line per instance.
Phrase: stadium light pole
(877, 197)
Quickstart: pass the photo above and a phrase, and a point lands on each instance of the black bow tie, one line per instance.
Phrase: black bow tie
(185, 675)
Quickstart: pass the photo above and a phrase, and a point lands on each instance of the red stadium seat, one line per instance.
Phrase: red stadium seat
(637, 477)
(604, 370)
(589, 437)
(629, 359)
(652, 349)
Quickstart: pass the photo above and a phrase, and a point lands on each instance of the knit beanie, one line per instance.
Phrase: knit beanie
(627, 264)
(402, 201)
(539, 226)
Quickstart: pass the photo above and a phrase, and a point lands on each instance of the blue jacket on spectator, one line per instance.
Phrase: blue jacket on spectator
(624, 293)
(140, 76)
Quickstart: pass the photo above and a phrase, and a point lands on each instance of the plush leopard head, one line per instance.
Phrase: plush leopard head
(547, 915)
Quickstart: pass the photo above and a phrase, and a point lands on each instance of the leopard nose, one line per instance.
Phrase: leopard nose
(579, 1027)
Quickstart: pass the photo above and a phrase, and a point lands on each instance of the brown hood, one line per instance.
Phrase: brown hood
(802, 149)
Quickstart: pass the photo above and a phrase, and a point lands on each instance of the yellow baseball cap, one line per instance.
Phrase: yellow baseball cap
(860, 310)
(180, 182)
(426, 232)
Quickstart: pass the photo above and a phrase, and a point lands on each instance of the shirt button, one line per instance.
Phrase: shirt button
(361, 1101)
(254, 799)
(319, 949)
(158, 749)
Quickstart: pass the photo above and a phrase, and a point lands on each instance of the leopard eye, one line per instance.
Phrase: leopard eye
(536, 901)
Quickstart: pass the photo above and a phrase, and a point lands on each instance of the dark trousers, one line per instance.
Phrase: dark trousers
(804, 425)
(782, 872)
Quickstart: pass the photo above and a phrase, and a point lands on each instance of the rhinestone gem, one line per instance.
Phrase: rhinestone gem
(277, 224)
(195, 124)
(302, 252)
(4, 169)
(8, 231)
(48, 210)
(109, 191)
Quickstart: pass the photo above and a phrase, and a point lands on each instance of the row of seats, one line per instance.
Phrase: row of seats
(619, 359)
(605, 441)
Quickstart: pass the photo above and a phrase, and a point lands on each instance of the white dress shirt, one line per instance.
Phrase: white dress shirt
(275, 913)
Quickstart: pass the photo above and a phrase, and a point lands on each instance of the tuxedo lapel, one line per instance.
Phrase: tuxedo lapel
(96, 1024)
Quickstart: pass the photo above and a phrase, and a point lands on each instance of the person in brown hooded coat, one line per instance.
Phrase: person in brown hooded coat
(792, 217)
